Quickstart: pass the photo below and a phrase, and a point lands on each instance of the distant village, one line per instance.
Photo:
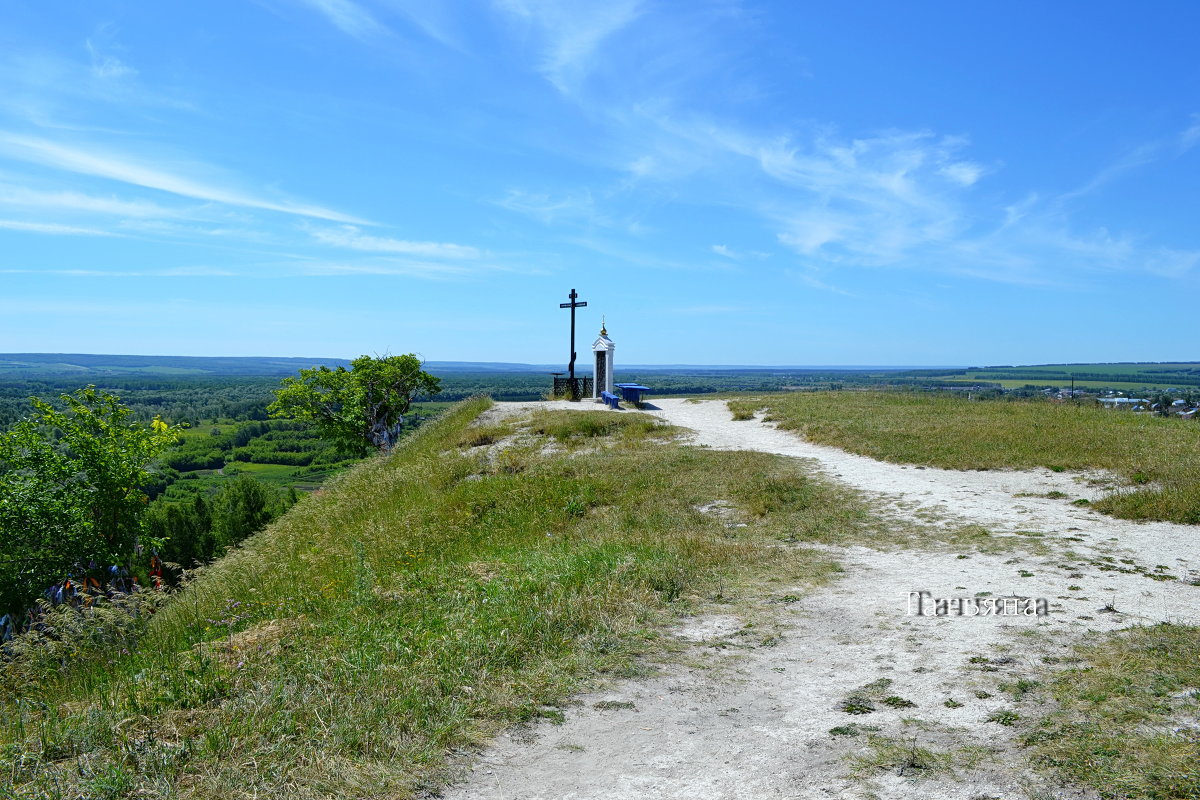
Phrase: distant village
(1173, 402)
(1169, 403)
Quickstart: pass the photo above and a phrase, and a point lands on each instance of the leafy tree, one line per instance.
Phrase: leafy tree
(71, 485)
(240, 508)
(359, 408)
(1162, 404)
(195, 531)
(184, 528)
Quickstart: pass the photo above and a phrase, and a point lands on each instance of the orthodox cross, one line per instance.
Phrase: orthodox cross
(572, 305)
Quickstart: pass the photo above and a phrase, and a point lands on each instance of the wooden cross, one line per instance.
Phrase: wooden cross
(572, 305)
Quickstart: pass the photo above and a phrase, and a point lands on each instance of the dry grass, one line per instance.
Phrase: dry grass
(1159, 458)
(1129, 723)
(574, 427)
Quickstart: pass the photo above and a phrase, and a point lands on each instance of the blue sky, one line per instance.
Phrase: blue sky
(727, 182)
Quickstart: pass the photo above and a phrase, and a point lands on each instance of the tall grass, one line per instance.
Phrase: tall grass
(1160, 458)
(408, 610)
(1127, 723)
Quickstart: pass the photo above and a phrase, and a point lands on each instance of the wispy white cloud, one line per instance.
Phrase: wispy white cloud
(1139, 156)
(1191, 135)
(962, 172)
(905, 200)
(105, 65)
(547, 209)
(52, 229)
(416, 269)
(573, 33)
(811, 230)
(70, 201)
(1130, 161)
(351, 18)
(175, 272)
(93, 161)
(814, 282)
(738, 255)
(577, 209)
(435, 20)
(59, 91)
(874, 200)
(351, 237)
(196, 272)
(1172, 263)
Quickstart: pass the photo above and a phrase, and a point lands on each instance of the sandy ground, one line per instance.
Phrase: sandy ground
(748, 714)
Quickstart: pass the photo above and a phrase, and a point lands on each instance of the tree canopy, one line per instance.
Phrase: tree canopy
(360, 408)
(71, 490)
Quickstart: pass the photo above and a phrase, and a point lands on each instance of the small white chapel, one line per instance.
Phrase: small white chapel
(602, 350)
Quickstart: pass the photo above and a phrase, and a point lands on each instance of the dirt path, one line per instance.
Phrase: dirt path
(753, 715)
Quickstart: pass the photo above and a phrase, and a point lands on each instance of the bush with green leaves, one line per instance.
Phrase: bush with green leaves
(199, 528)
(71, 490)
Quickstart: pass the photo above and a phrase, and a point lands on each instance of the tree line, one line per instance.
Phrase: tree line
(77, 474)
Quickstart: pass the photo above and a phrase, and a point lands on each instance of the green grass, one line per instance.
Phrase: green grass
(901, 757)
(1161, 456)
(1127, 718)
(205, 431)
(580, 426)
(275, 474)
(411, 608)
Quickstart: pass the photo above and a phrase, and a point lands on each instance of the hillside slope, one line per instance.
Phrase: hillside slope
(412, 608)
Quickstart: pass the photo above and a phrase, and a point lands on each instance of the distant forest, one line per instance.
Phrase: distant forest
(196, 390)
(235, 469)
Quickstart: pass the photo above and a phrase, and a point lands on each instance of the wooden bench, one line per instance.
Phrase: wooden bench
(610, 400)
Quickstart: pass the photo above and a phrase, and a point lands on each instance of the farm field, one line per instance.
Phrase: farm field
(1108, 385)
(1180, 376)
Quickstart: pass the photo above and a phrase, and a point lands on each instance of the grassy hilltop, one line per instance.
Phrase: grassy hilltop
(414, 606)
(489, 567)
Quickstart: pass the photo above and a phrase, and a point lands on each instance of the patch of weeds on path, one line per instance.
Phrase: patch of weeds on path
(1127, 566)
(1004, 716)
(614, 705)
(904, 757)
(895, 701)
(863, 700)
(1020, 688)
(857, 704)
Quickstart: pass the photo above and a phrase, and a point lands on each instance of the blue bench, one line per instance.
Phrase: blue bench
(610, 400)
(632, 392)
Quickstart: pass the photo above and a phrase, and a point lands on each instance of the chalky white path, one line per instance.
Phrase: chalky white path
(986, 498)
(755, 724)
